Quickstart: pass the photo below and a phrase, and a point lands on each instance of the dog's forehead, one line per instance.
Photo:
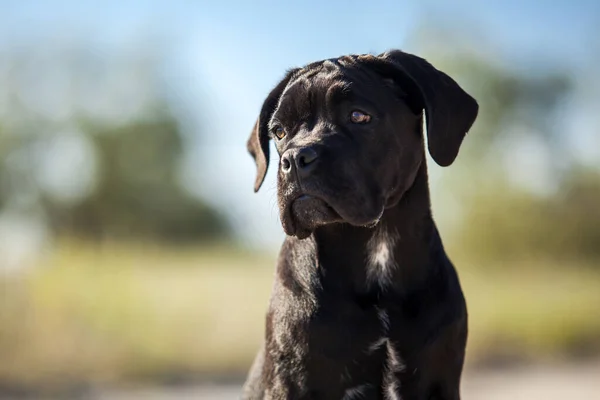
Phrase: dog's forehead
(325, 80)
(309, 91)
(324, 73)
(316, 79)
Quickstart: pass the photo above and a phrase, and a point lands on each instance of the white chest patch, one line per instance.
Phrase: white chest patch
(390, 382)
(380, 257)
(393, 363)
(380, 266)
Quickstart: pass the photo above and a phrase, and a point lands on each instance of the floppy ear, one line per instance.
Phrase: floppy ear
(449, 109)
(258, 143)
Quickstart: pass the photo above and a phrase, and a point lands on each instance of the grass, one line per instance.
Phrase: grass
(532, 311)
(131, 313)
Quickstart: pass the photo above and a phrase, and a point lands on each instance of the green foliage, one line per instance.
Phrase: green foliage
(508, 99)
(137, 193)
(508, 224)
(134, 189)
(500, 220)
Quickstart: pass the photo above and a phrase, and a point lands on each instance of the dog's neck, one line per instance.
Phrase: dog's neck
(396, 253)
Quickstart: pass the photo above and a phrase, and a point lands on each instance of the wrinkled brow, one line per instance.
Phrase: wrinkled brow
(338, 92)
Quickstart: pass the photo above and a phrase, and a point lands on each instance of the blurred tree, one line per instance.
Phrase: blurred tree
(3, 154)
(510, 94)
(92, 141)
(506, 224)
(136, 193)
(518, 192)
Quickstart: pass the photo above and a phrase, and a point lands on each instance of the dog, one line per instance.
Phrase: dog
(365, 304)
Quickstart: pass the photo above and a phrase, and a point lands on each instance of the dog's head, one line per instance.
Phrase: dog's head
(348, 132)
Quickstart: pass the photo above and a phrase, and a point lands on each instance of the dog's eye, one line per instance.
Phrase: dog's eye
(279, 132)
(359, 117)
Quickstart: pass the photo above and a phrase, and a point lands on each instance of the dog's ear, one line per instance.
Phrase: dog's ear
(258, 143)
(450, 111)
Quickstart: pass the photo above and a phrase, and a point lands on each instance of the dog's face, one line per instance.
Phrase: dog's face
(348, 133)
(347, 145)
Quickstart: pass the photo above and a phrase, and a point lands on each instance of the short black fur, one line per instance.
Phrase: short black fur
(366, 303)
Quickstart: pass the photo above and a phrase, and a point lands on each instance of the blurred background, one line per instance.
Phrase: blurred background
(135, 259)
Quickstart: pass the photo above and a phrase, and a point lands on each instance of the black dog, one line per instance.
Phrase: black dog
(366, 304)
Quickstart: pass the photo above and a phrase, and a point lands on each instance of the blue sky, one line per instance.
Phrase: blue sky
(223, 57)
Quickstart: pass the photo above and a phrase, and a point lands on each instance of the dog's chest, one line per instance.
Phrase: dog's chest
(344, 351)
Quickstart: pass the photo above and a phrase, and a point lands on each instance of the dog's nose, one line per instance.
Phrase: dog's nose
(306, 158)
(303, 161)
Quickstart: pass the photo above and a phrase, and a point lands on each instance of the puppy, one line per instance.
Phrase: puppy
(365, 304)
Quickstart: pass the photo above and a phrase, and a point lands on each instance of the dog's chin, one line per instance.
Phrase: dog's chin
(306, 213)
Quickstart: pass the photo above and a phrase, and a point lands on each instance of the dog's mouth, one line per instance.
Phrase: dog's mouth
(305, 213)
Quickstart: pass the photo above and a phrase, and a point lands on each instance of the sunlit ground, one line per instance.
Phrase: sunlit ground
(133, 314)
